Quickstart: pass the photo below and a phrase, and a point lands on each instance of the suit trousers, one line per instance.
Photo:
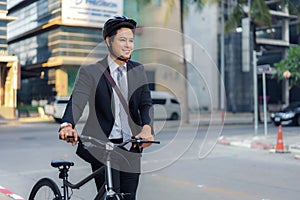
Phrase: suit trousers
(123, 181)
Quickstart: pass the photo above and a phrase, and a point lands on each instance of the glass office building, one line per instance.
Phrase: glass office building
(3, 23)
(52, 38)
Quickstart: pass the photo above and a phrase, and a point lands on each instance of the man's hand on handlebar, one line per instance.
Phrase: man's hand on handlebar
(145, 134)
(69, 135)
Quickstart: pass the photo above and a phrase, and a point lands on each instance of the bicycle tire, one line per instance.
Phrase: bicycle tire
(45, 189)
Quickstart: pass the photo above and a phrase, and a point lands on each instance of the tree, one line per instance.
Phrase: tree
(289, 67)
(184, 9)
(259, 13)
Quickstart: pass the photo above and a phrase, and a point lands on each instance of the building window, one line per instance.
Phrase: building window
(157, 3)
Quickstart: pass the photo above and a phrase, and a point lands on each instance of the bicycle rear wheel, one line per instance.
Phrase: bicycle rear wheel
(45, 189)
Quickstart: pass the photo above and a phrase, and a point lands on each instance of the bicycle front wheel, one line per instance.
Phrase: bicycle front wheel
(45, 189)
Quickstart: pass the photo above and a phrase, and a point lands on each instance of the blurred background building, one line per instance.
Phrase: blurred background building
(53, 38)
(9, 69)
(271, 45)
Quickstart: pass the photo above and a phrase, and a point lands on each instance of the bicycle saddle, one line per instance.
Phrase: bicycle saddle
(59, 163)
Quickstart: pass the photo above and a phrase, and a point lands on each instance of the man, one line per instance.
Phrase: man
(106, 121)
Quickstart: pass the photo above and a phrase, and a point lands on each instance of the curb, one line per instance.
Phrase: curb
(293, 148)
(26, 120)
(6, 194)
(261, 145)
(246, 143)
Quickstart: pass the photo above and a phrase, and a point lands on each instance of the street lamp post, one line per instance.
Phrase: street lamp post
(265, 102)
(255, 97)
(264, 69)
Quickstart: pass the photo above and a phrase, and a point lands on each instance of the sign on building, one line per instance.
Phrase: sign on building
(267, 69)
(90, 12)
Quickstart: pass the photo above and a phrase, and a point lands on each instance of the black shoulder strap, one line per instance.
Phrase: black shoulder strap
(115, 87)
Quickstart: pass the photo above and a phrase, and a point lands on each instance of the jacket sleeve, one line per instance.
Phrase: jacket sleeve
(79, 98)
(145, 105)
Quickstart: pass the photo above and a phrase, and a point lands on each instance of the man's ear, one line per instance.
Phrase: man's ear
(107, 41)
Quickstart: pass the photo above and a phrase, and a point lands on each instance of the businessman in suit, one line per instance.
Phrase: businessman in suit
(106, 121)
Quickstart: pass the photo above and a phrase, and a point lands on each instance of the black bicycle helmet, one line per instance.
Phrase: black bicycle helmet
(116, 23)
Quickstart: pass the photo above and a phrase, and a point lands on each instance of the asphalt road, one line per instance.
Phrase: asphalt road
(187, 165)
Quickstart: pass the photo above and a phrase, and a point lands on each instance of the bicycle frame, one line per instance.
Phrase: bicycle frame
(64, 167)
(67, 184)
(110, 192)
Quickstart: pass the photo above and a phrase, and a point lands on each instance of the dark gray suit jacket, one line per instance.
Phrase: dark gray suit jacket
(93, 88)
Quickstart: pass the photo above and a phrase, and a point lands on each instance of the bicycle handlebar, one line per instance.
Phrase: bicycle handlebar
(138, 141)
(88, 141)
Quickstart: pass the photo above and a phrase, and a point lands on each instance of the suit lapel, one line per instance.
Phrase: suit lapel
(130, 79)
(106, 84)
(104, 63)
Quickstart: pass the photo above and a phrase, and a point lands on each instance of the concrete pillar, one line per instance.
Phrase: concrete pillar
(61, 82)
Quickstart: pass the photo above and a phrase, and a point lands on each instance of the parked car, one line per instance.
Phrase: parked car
(57, 109)
(290, 115)
(165, 105)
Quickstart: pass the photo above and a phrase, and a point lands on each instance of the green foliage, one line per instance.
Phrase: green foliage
(185, 7)
(234, 19)
(292, 64)
(259, 13)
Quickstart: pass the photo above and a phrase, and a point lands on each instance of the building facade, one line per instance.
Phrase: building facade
(53, 38)
(203, 38)
(9, 69)
(270, 45)
(52, 44)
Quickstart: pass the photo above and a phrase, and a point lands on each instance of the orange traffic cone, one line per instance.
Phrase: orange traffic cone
(279, 144)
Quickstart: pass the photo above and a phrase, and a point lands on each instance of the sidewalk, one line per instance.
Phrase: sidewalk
(25, 120)
(291, 142)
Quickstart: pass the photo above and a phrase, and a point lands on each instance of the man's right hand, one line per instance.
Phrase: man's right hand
(68, 134)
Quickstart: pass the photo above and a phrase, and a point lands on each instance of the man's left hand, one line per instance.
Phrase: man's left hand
(145, 134)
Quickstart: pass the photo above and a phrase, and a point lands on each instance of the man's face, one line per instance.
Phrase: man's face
(123, 44)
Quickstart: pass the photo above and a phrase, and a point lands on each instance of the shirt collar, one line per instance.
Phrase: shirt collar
(113, 65)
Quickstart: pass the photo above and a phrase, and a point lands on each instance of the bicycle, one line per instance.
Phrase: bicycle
(46, 188)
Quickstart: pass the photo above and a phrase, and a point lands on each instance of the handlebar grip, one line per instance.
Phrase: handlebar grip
(69, 137)
(146, 141)
(155, 142)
